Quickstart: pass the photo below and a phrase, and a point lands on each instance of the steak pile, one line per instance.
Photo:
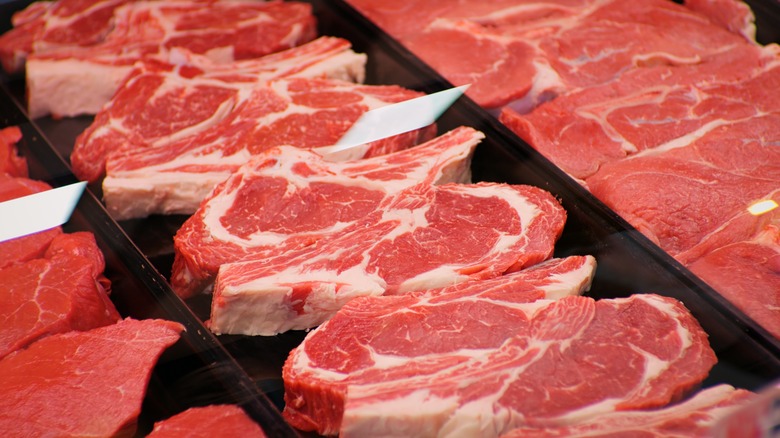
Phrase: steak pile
(623, 96)
(159, 102)
(434, 305)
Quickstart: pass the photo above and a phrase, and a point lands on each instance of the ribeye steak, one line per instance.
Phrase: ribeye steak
(160, 102)
(78, 80)
(176, 176)
(480, 366)
(286, 198)
(422, 237)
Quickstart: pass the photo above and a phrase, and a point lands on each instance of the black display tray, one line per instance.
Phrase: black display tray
(205, 369)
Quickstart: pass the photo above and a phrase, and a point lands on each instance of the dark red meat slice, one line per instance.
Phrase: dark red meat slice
(207, 422)
(83, 383)
(63, 292)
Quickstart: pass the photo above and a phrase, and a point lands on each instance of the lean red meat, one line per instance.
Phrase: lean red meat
(31, 246)
(11, 163)
(79, 80)
(648, 108)
(45, 26)
(520, 54)
(83, 383)
(161, 101)
(474, 366)
(295, 197)
(207, 422)
(176, 176)
(423, 237)
(62, 292)
(696, 417)
(747, 273)
(702, 211)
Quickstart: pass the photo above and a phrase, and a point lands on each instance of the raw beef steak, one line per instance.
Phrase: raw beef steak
(176, 176)
(695, 417)
(79, 80)
(694, 202)
(552, 279)
(679, 197)
(30, 246)
(474, 366)
(62, 292)
(207, 422)
(287, 198)
(648, 108)
(45, 26)
(162, 101)
(10, 162)
(423, 237)
(86, 383)
(747, 273)
(520, 54)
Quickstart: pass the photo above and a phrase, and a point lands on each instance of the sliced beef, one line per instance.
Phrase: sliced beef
(648, 108)
(482, 366)
(176, 176)
(286, 198)
(45, 26)
(83, 383)
(63, 292)
(423, 237)
(520, 54)
(697, 416)
(206, 422)
(160, 101)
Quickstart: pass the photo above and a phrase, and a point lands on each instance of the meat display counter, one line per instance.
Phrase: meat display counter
(204, 368)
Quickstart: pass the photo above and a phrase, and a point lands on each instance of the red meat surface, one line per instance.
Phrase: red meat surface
(207, 422)
(82, 383)
(697, 416)
(287, 198)
(64, 291)
(422, 237)
(482, 366)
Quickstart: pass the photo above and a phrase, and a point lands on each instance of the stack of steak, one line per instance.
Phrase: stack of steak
(667, 112)
(435, 304)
